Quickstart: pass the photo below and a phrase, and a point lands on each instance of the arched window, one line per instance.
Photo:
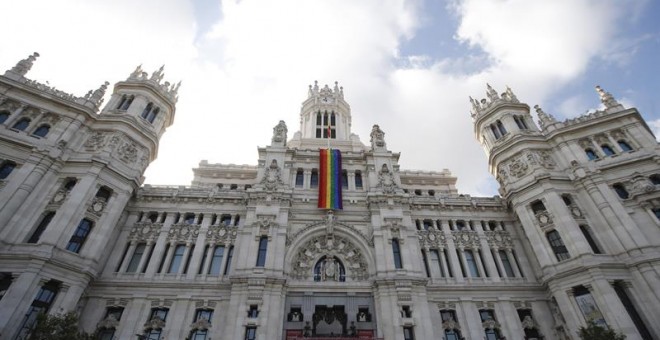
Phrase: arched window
(344, 179)
(625, 147)
(358, 179)
(22, 124)
(80, 235)
(300, 178)
(607, 150)
(4, 114)
(152, 115)
(591, 154)
(500, 127)
(6, 168)
(329, 268)
(396, 252)
(557, 245)
(42, 130)
(621, 190)
(125, 102)
(314, 179)
(146, 110)
(326, 125)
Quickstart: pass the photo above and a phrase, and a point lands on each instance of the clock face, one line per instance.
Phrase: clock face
(326, 100)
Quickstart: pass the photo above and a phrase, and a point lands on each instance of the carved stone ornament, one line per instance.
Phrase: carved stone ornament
(431, 238)
(221, 234)
(377, 137)
(154, 323)
(499, 239)
(97, 206)
(59, 196)
(201, 324)
(451, 324)
(264, 222)
(128, 152)
(329, 246)
(641, 184)
(183, 233)
(518, 168)
(23, 66)
(544, 218)
(386, 181)
(466, 238)
(95, 142)
(109, 322)
(528, 322)
(145, 231)
(490, 324)
(279, 133)
(272, 177)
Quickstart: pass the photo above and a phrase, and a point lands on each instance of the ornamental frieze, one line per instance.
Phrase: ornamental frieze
(122, 147)
(466, 239)
(221, 234)
(145, 231)
(522, 163)
(272, 177)
(183, 232)
(499, 239)
(431, 238)
(330, 223)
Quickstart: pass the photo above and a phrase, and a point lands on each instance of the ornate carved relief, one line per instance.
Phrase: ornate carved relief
(431, 238)
(330, 223)
(97, 206)
(110, 322)
(499, 239)
(386, 181)
(264, 222)
(145, 231)
(466, 239)
(332, 245)
(183, 233)
(272, 177)
(221, 234)
(121, 146)
(377, 137)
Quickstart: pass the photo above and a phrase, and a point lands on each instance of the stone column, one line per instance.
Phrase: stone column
(184, 260)
(514, 263)
(461, 252)
(168, 257)
(498, 261)
(351, 181)
(443, 262)
(307, 179)
(480, 265)
(207, 259)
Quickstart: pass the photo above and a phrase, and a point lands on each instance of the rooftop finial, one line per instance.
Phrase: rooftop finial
(316, 86)
(492, 94)
(336, 89)
(97, 95)
(510, 95)
(23, 66)
(157, 76)
(606, 98)
(544, 118)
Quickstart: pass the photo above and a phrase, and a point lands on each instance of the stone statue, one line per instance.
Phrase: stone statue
(279, 133)
(377, 137)
(606, 98)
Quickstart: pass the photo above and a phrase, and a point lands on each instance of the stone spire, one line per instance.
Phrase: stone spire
(544, 118)
(97, 95)
(606, 98)
(23, 66)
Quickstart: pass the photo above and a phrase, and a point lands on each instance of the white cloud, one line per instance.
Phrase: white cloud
(252, 68)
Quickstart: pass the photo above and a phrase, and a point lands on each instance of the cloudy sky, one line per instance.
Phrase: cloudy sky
(408, 66)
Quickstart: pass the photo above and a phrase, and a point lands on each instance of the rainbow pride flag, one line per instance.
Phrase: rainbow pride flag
(330, 179)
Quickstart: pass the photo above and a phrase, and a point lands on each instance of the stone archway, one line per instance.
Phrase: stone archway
(329, 246)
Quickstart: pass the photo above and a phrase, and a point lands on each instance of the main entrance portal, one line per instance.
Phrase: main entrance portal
(329, 316)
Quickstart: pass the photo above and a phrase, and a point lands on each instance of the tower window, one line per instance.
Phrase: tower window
(495, 131)
(125, 102)
(557, 245)
(621, 191)
(22, 124)
(41, 131)
(4, 114)
(591, 154)
(80, 235)
(500, 127)
(326, 125)
(625, 147)
(520, 121)
(607, 150)
(6, 168)
(150, 112)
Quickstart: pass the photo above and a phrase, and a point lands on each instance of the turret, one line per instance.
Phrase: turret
(325, 114)
(146, 98)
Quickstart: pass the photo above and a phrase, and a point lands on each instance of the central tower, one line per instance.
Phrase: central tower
(325, 114)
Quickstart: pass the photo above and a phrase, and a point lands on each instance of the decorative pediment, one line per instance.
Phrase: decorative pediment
(329, 246)
(109, 322)
(330, 223)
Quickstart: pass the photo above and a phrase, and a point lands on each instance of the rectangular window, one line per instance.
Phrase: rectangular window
(135, 259)
(176, 259)
(80, 235)
(586, 231)
(41, 227)
(253, 312)
(557, 245)
(396, 251)
(426, 264)
(230, 254)
(588, 306)
(263, 247)
(525, 316)
(5, 282)
(188, 259)
(508, 268)
(314, 179)
(358, 179)
(40, 304)
(487, 314)
(250, 333)
(216, 261)
(435, 257)
(408, 333)
(471, 263)
(449, 317)
(300, 178)
(344, 179)
(620, 289)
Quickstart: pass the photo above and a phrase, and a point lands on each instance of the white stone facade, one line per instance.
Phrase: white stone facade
(244, 252)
